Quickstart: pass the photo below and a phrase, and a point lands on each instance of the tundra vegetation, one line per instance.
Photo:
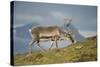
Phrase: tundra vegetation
(85, 50)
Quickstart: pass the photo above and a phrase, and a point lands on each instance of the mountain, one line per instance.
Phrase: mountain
(23, 31)
(22, 37)
(70, 26)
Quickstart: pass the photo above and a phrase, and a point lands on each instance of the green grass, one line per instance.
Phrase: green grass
(79, 52)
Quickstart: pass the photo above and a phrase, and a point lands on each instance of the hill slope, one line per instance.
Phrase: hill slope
(79, 52)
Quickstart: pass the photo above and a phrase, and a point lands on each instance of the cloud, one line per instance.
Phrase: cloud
(87, 33)
(23, 16)
(53, 17)
(28, 17)
(57, 14)
(61, 16)
(23, 19)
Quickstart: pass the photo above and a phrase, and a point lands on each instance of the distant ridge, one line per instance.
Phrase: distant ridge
(24, 30)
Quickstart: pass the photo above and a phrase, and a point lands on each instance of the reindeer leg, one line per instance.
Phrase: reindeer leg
(71, 38)
(30, 46)
(56, 43)
(51, 45)
(40, 46)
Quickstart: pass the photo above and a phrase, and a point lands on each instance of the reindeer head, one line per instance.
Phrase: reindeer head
(68, 35)
(67, 21)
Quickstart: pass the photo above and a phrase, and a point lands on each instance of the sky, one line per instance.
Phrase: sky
(84, 18)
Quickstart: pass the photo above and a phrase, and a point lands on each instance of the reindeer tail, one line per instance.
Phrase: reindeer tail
(30, 30)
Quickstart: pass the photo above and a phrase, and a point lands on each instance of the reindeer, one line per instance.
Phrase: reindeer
(50, 33)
